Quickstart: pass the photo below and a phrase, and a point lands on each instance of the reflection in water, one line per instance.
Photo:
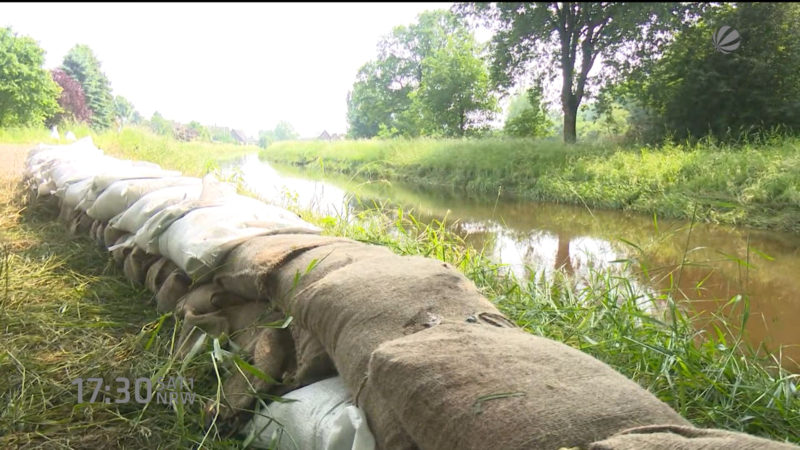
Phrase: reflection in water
(709, 263)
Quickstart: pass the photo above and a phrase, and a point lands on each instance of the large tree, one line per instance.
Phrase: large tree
(428, 79)
(28, 94)
(567, 38)
(81, 64)
(695, 90)
(71, 100)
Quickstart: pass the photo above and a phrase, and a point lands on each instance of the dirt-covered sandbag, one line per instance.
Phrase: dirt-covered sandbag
(671, 437)
(136, 264)
(207, 298)
(216, 322)
(132, 219)
(248, 267)
(158, 273)
(112, 235)
(80, 223)
(121, 194)
(215, 230)
(119, 252)
(175, 286)
(472, 386)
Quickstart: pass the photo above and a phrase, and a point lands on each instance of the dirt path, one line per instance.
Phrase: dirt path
(12, 160)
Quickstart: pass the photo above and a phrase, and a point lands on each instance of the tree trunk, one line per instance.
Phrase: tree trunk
(570, 119)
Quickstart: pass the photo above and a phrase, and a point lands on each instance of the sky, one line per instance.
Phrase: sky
(241, 65)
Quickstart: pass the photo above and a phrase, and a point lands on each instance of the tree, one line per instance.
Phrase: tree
(283, 131)
(391, 96)
(454, 94)
(527, 115)
(71, 100)
(160, 125)
(28, 94)
(81, 64)
(199, 131)
(123, 110)
(694, 90)
(569, 37)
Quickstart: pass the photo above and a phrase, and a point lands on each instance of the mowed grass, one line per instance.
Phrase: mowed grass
(67, 312)
(755, 184)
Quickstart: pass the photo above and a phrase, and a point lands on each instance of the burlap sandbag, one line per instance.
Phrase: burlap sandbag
(247, 267)
(99, 236)
(111, 235)
(175, 286)
(358, 296)
(93, 229)
(136, 264)
(670, 437)
(80, 224)
(119, 253)
(227, 320)
(157, 273)
(472, 386)
(207, 298)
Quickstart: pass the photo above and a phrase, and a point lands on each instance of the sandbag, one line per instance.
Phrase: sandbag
(213, 193)
(124, 170)
(249, 265)
(215, 230)
(175, 286)
(207, 298)
(157, 273)
(80, 224)
(136, 264)
(132, 219)
(121, 194)
(119, 252)
(226, 320)
(112, 235)
(671, 437)
(472, 386)
(320, 417)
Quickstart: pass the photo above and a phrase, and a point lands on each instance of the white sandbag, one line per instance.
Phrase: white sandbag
(125, 171)
(75, 192)
(132, 219)
(117, 197)
(199, 241)
(213, 193)
(321, 418)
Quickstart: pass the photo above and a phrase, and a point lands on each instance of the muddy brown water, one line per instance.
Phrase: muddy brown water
(708, 266)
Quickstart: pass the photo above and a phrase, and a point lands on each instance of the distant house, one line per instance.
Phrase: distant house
(325, 136)
(240, 137)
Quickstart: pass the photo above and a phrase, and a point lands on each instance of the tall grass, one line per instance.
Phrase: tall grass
(756, 184)
(714, 379)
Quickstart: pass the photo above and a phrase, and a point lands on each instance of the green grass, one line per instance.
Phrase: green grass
(66, 312)
(750, 184)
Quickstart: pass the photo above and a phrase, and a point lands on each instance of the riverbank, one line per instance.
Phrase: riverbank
(753, 185)
(714, 381)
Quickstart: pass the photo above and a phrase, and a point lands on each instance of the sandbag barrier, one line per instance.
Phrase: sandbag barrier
(421, 356)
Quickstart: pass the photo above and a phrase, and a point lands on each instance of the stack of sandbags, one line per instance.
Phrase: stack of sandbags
(432, 363)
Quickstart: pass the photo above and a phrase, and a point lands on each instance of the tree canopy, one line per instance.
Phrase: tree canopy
(28, 94)
(71, 100)
(428, 79)
(81, 64)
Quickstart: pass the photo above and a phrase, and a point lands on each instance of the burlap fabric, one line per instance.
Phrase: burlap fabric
(671, 437)
(472, 386)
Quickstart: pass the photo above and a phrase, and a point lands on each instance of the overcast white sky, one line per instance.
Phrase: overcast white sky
(241, 65)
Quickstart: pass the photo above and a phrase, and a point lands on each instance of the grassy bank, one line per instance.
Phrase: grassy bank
(68, 313)
(755, 185)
